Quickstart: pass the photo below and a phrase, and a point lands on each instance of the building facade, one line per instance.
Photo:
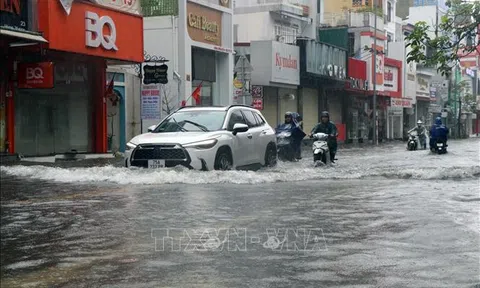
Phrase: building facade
(56, 86)
(197, 40)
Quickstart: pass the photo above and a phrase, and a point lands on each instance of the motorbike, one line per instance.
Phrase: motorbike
(321, 153)
(412, 143)
(285, 149)
(440, 147)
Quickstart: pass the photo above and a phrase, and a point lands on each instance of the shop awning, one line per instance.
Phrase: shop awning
(36, 37)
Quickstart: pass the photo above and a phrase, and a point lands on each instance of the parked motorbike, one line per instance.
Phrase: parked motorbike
(285, 151)
(321, 153)
(412, 143)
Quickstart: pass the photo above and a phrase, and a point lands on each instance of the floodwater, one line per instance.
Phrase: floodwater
(382, 217)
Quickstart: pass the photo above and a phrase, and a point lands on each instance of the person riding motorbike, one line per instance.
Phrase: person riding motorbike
(328, 127)
(438, 132)
(421, 133)
(297, 118)
(297, 132)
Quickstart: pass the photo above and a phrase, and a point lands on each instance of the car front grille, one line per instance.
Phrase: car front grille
(165, 152)
(172, 154)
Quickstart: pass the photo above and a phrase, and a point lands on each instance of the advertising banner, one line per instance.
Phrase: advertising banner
(151, 102)
(285, 63)
(390, 78)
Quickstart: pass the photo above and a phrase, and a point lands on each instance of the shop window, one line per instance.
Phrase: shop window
(203, 65)
(235, 117)
(119, 77)
(250, 119)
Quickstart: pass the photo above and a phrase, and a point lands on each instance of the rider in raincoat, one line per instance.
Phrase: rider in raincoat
(294, 126)
(328, 127)
(438, 132)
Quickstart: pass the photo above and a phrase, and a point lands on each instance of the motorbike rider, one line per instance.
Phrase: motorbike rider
(421, 133)
(438, 132)
(297, 132)
(328, 127)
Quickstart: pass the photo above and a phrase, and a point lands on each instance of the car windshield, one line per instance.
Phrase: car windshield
(193, 121)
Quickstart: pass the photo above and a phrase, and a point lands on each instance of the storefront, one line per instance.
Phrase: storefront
(18, 32)
(58, 97)
(205, 43)
(274, 79)
(392, 87)
(323, 75)
(357, 120)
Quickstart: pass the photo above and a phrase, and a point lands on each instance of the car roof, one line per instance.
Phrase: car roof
(213, 108)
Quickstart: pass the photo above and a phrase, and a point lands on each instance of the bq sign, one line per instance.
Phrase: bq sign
(204, 24)
(35, 75)
(155, 74)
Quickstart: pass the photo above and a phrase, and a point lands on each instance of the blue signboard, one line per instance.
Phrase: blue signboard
(441, 3)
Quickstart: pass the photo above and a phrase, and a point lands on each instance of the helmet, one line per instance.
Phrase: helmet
(438, 121)
(419, 122)
(288, 114)
(325, 114)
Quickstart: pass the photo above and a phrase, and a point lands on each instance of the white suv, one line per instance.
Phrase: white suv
(206, 138)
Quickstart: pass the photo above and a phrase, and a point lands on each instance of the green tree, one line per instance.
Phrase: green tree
(454, 35)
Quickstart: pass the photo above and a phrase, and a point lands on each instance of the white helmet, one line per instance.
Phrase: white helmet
(419, 122)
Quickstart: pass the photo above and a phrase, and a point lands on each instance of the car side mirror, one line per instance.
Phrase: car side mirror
(239, 128)
(151, 128)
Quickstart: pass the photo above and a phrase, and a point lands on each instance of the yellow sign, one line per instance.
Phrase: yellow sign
(204, 24)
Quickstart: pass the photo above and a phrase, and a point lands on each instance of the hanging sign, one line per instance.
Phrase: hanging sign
(151, 102)
(155, 74)
(257, 91)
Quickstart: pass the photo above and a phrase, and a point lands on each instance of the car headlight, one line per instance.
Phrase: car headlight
(130, 146)
(205, 144)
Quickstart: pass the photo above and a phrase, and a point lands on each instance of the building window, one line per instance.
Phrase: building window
(389, 37)
(356, 3)
(285, 34)
(351, 45)
(389, 12)
(319, 6)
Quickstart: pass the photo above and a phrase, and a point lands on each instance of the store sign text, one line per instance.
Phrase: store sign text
(202, 23)
(326, 60)
(285, 62)
(358, 84)
(94, 31)
(405, 103)
(35, 75)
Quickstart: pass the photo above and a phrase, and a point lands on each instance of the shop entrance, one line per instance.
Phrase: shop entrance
(49, 122)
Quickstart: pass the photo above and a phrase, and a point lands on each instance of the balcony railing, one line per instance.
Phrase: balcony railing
(350, 18)
(159, 7)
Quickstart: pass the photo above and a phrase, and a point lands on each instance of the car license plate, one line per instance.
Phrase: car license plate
(154, 164)
(440, 144)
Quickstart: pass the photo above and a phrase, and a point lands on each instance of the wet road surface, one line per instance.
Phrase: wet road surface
(379, 218)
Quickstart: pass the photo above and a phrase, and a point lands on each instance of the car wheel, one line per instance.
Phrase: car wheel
(270, 156)
(223, 160)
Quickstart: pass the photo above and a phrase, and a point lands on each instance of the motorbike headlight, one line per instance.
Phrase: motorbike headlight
(205, 144)
(285, 134)
(130, 146)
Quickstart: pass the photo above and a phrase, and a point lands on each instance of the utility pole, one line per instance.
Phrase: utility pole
(375, 132)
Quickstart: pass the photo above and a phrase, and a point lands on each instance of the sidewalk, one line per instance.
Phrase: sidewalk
(67, 160)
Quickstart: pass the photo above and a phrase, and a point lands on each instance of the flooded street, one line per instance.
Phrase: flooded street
(380, 217)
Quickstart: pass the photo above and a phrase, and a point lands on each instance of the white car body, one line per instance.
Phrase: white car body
(198, 149)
